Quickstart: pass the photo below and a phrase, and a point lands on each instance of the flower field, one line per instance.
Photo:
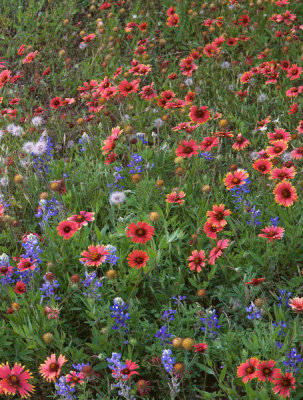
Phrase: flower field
(151, 205)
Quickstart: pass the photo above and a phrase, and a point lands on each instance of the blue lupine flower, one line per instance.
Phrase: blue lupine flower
(168, 361)
(93, 284)
(119, 313)
(48, 289)
(274, 221)
(169, 314)
(211, 324)
(284, 298)
(178, 299)
(253, 312)
(206, 155)
(163, 335)
(293, 361)
(64, 389)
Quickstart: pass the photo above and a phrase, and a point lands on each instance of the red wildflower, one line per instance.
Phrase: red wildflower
(262, 165)
(255, 281)
(241, 143)
(173, 20)
(137, 259)
(296, 304)
(51, 368)
(83, 218)
(209, 142)
(272, 232)
(128, 371)
(282, 173)
(199, 115)
(216, 216)
(15, 381)
(266, 371)
(56, 102)
(278, 147)
(283, 384)
(140, 232)
(211, 230)
(67, 229)
(20, 287)
(236, 178)
(95, 255)
(247, 370)
(217, 251)
(143, 387)
(26, 264)
(125, 87)
(175, 198)
(187, 148)
(200, 347)
(297, 153)
(196, 260)
(285, 194)
(294, 72)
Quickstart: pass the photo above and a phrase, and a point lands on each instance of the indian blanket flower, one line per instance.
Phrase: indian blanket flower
(282, 173)
(217, 251)
(263, 166)
(26, 264)
(266, 371)
(283, 384)
(94, 256)
(82, 218)
(297, 153)
(137, 259)
(296, 304)
(199, 115)
(217, 215)
(187, 148)
(209, 142)
(129, 370)
(196, 260)
(51, 368)
(285, 194)
(175, 198)
(277, 148)
(20, 287)
(236, 178)
(272, 232)
(211, 230)
(15, 381)
(240, 143)
(140, 232)
(74, 378)
(248, 369)
(67, 229)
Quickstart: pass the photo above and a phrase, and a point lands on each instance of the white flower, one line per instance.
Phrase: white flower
(37, 121)
(254, 155)
(117, 198)
(225, 65)
(118, 301)
(82, 46)
(28, 147)
(286, 156)
(40, 148)
(231, 87)
(262, 97)
(4, 259)
(1, 134)
(158, 123)
(188, 82)
(32, 239)
(14, 130)
(4, 181)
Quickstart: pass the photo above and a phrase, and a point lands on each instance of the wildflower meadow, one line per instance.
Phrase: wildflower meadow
(151, 199)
